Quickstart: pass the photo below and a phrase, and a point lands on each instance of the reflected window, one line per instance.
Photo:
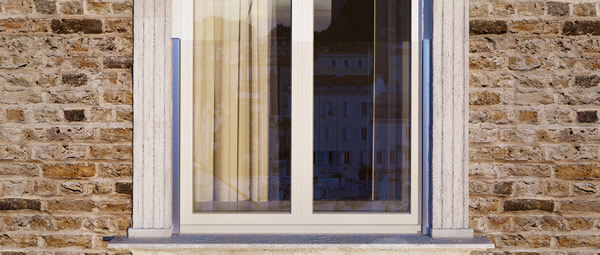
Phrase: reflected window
(376, 36)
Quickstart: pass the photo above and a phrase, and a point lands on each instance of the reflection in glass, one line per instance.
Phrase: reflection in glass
(362, 106)
(242, 89)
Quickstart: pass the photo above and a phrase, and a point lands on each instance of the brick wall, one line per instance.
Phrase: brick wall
(65, 124)
(534, 133)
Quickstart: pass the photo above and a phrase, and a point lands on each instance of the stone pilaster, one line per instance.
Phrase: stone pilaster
(450, 156)
(152, 129)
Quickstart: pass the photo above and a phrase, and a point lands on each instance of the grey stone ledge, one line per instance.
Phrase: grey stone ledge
(300, 241)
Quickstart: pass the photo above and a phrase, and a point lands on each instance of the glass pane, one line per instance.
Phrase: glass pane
(362, 106)
(242, 114)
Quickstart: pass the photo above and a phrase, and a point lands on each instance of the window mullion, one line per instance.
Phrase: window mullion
(302, 106)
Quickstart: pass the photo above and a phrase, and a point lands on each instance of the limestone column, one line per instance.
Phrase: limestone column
(152, 119)
(450, 158)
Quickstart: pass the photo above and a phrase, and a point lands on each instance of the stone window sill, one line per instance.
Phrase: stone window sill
(300, 244)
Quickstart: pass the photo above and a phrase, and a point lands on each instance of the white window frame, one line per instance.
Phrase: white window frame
(301, 219)
(445, 161)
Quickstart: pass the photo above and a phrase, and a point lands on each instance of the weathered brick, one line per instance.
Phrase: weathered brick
(101, 188)
(18, 6)
(122, 8)
(531, 8)
(99, 7)
(528, 116)
(484, 98)
(585, 189)
(101, 115)
(534, 27)
(557, 152)
(115, 206)
(528, 205)
(74, 115)
(45, 151)
(587, 116)
(579, 241)
(119, 26)
(503, 9)
(73, 151)
(74, 80)
(487, 63)
(525, 170)
(587, 206)
(124, 187)
(586, 152)
(18, 240)
(116, 134)
(558, 8)
(71, 205)
(587, 81)
(503, 188)
(525, 241)
(71, 7)
(63, 241)
(478, 9)
(15, 115)
(581, 28)
(115, 170)
(124, 115)
(579, 172)
(483, 205)
(15, 188)
(118, 97)
(584, 9)
(10, 204)
(107, 223)
(12, 152)
(26, 170)
(40, 222)
(70, 134)
(71, 187)
(118, 62)
(73, 97)
(487, 27)
(70, 26)
(68, 171)
(44, 188)
(45, 6)
(67, 222)
(119, 152)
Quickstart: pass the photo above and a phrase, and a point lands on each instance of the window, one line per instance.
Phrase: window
(329, 109)
(363, 109)
(363, 134)
(246, 158)
(346, 157)
(346, 110)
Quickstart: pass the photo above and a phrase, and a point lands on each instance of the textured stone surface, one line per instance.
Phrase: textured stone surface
(56, 197)
(300, 244)
(534, 135)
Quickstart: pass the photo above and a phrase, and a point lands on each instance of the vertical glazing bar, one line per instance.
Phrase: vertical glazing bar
(426, 126)
(175, 157)
(374, 101)
(302, 106)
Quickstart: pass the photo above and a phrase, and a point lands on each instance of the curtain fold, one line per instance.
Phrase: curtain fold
(231, 100)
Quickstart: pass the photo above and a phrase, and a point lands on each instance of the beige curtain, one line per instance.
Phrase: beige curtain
(231, 98)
